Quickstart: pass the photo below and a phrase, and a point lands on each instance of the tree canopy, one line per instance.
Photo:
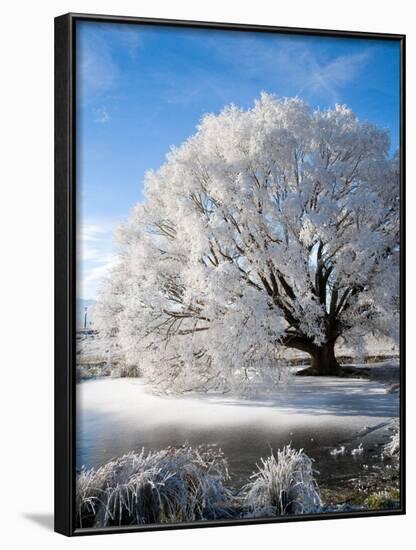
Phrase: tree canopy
(269, 228)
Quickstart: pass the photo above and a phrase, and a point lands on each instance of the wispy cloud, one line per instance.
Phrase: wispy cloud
(96, 256)
(131, 38)
(94, 276)
(101, 116)
(182, 98)
(291, 65)
(98, 69)
(329, 78)
(91, 231)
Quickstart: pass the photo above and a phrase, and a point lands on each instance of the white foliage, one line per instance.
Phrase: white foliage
(269, 227)
(189, 484)
(171, 485)
(392, 448)
(284, 484)
(338, 451)
(358, 450)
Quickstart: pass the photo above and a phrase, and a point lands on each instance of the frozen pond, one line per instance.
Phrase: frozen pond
(316, 414)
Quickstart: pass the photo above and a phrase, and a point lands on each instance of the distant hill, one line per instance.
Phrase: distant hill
(81, 305)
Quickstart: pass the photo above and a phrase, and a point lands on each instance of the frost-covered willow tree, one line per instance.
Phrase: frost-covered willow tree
(271, 228)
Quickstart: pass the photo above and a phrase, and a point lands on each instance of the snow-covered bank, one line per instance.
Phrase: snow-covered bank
(302, 401)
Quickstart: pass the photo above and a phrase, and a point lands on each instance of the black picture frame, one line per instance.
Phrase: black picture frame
(65, 267)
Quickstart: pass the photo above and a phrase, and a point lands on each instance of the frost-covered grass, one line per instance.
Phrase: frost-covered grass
(392, 448)
(172, 485)
(358, 450)
(189, 484)
(284, 484)
(338, 451)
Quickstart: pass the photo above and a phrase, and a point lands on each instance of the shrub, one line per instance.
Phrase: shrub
(392, 448)
(172, 485)
(386, 499)
(188, 484)
(284, 484)
(129, 371)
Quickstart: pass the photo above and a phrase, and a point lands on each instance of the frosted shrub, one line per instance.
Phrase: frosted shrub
(284, 484)
(392, 448)
(172, 485)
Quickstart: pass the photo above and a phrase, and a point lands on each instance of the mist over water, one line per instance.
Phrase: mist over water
(115, 416)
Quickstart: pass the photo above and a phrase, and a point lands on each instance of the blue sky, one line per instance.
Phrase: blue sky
(142, 89)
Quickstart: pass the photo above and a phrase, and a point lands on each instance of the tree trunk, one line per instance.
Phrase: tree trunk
(323, 362)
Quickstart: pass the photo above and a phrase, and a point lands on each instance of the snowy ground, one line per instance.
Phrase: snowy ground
(303, 400)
